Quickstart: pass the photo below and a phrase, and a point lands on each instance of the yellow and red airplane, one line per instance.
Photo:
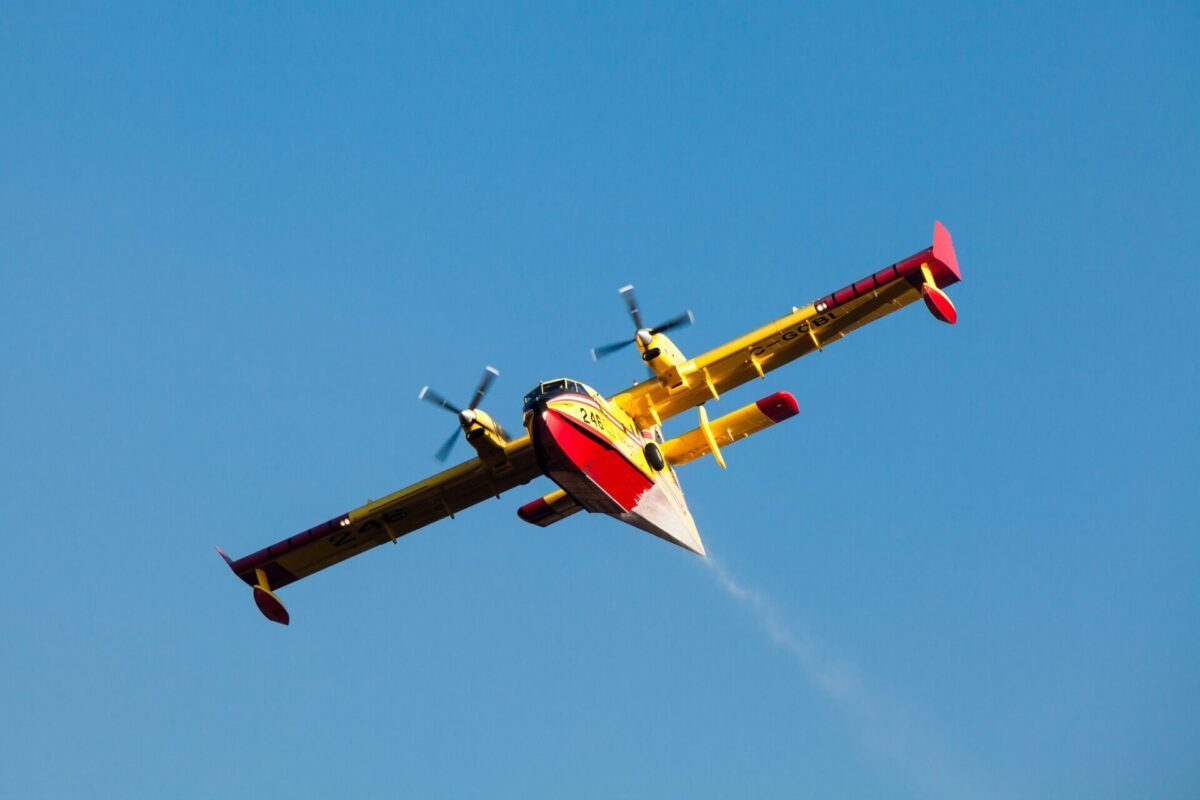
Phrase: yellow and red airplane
(608, 454)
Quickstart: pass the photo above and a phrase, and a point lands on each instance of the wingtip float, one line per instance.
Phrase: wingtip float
(608, 454)
(267, 601)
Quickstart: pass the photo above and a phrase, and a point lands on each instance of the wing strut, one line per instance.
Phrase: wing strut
(708, 437)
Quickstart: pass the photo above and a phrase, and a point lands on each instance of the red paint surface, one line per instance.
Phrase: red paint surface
(939, 304)
(885, 275)
(943, 253)
(535, 511)
(599, 461)
(940, 257)
(265, 559)
(270, 606)
(779, 406)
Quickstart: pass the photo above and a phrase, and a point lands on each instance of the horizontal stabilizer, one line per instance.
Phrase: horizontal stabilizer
(730, 428)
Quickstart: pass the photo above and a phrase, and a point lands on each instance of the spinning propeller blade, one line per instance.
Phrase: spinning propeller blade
(634, 313)
(683, 320)
(431, 396)
(465, 417)
(603, 350)
(640, 330)
(444, 451)
(489, 374)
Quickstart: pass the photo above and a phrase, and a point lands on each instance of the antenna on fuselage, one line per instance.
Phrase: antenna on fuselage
(641, 332)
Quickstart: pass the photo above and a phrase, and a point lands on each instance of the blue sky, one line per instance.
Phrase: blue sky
(236, 240)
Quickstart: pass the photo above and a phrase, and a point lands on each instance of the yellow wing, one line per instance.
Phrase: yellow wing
(806, 329)
(380, 521)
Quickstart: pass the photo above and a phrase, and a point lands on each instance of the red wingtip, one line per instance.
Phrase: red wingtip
(228, 560)
(943, 251)
(270, 606)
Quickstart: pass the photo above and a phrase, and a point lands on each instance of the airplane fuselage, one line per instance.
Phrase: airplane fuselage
(596, 454)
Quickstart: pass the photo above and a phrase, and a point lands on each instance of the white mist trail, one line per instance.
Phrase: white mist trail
(885, 729)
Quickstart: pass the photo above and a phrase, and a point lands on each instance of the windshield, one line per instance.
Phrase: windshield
(548, 389)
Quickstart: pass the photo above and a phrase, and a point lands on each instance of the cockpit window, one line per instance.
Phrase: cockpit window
(546, 389)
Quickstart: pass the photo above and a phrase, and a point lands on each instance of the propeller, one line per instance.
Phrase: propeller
(465, 415)
(642, 334)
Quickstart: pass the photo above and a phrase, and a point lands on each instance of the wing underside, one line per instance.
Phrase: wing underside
(921, 275)
(385, 520)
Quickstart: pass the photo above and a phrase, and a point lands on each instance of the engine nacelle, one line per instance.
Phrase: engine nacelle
(662, 356)
(486, 436)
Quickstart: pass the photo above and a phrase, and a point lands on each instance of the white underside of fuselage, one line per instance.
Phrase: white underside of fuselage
(658, 513)
(601, 475)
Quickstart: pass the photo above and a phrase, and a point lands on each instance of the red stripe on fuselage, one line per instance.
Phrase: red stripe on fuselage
(597, 459)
